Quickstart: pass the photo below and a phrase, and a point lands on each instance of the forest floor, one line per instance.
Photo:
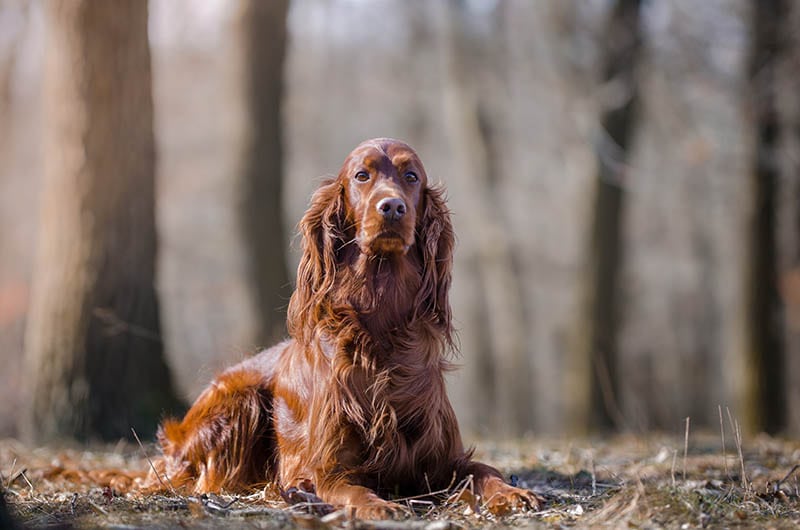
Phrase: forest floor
(626, 481)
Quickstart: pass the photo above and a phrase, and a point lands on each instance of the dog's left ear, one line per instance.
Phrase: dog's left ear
(435, 243)
(322, 228)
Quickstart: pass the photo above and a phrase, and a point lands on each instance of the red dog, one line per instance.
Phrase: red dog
(355, 401)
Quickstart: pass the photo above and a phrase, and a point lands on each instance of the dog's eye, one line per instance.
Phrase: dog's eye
(362, 176)
(411, 177)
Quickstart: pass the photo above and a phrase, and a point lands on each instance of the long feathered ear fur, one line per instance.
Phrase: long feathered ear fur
(435, 242)
(322, 230)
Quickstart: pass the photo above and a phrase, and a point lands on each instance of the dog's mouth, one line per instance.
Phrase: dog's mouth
(387, 242)
(389, 234)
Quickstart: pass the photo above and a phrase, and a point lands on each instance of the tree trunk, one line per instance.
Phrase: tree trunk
(595, 399)
(773, 288)
(497, 318)
(93, 350)
(764, 350)
(788, 217)
(262, 50)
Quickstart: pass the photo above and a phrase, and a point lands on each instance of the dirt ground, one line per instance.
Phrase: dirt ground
(627, 481)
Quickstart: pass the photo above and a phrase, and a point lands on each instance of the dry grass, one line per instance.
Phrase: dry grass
(622, 481)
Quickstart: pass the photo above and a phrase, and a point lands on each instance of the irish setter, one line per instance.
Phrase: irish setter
(354, 404)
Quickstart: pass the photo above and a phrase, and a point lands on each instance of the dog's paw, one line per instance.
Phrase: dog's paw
(506, 499)
(379, 509)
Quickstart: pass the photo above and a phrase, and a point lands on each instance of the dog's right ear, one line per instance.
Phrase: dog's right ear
(435, 242)
(322, 230)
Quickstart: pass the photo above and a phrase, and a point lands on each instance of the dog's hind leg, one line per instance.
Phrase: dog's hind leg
(226, 442)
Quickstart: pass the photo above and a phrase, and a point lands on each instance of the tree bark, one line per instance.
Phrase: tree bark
(764, 393)
(772, 399)
(497, 319)
(93, 350)
(593, 361)
(788, 216)
(263, 50)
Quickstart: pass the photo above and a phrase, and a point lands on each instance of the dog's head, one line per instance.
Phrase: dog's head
(383, 182)
(380, 206)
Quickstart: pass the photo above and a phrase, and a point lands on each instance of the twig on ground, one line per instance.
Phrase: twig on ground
(413, 503)
(738, 438)
(724, 450)
(788, 475)
(461, 488)
(152, 466)
(210, 502)
(642, 492)
(672, 470)
(443, 491)
(97, 508)
(21, 473)
(685, 446)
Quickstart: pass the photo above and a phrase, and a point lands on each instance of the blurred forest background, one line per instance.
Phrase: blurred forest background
(624, 178)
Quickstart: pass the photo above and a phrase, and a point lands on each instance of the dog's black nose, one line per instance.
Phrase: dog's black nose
(392, 208)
